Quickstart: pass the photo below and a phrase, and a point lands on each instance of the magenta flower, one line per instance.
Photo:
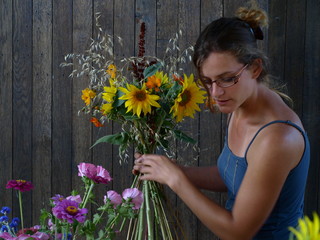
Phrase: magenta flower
(69, 210)
(97, 174)
(114, 197)
(102, 176)
(133, 195)
(21, 185)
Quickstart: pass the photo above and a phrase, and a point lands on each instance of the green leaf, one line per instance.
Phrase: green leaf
(151, 70)
(184, 137)
(174, 90)
(118, 102)
(117, 139)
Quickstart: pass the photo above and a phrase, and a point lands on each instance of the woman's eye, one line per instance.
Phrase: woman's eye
(227, 80)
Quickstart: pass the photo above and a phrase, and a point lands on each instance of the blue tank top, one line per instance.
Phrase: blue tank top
(289, 206)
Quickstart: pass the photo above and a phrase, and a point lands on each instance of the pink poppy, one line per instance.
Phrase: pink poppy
(114, 197)
(97, 174)
(102, 175)
(133, 195)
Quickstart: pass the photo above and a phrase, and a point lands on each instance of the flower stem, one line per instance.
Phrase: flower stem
(87, 195)
(21, 212)
(148, 210)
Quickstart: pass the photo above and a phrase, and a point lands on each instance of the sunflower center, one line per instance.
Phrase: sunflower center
(72, 210)
(141, 95)
(185, 98)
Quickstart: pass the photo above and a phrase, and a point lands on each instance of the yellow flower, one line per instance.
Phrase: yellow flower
(307, 230)
(87, 95)
(187, 101)
(112, 69)
(109, 92)
(106, 108)
(138, 99)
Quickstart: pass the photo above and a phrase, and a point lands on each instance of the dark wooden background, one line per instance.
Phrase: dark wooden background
(42, 138)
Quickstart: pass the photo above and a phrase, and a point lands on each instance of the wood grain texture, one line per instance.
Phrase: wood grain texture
(42, 105)
(42, 137)
(22, 100)
(6, 111)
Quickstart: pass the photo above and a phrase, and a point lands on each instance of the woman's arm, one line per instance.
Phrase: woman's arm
(207, 178)
(270, 159)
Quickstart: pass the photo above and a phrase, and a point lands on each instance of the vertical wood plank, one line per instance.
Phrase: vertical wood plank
(311, 103)
(210, 139)
(295, 36)
(189, 21)
(102, 153)
(42, 89)
(81, 128)
(124, 26)
(6, 150)
(22, 100)
(277, 37)
(167, 26)
(61, 99)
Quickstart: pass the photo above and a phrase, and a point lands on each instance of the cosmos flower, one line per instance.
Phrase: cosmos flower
(21, 185)
(134, 196)
(114, 197)
(69, 210)
(138, 100)
(87, 95)
(187, 101)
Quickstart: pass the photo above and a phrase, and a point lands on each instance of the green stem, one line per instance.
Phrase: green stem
(148, 210)
(87, 196)
(21, 212)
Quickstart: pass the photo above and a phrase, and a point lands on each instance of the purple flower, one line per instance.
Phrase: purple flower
(75, 198)
(133, 195)
(97, 174)
(114, 197)
(57, 199)
(5, 210)
(69, 210)
(21, 185)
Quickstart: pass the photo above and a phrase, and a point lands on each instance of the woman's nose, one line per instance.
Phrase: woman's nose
(216, 91)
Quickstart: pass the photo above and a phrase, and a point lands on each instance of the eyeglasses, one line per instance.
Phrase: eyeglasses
(224, 82)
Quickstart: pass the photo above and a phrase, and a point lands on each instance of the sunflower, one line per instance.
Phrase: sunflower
(87, 95)
(307, 229)
(109, 92)
(138, 99)
(187, 101)
(106, 108)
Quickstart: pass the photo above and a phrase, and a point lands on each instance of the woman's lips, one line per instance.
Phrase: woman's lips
(221, 102)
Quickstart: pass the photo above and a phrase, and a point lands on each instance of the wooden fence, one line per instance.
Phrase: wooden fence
(42, 138)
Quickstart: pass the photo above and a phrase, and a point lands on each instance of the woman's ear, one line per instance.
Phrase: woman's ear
(256, 68)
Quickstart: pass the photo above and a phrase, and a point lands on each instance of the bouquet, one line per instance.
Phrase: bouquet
(148, 97)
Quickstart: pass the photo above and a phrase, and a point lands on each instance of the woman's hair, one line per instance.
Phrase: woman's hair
(238, 36)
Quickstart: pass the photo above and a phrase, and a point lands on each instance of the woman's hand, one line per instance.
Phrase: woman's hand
(157, 168)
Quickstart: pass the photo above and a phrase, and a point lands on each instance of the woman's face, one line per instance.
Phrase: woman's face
(223, 69)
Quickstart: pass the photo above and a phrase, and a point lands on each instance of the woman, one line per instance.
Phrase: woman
(265, 160)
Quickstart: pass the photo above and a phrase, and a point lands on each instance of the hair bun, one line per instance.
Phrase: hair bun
(255, 17)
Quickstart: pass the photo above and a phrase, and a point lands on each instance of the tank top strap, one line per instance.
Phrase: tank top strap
(273, 122)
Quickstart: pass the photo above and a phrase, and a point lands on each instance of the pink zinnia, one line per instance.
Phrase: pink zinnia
(114, 197)
(133, 195)
(69, 210)
(97, 174)
(21, 185)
